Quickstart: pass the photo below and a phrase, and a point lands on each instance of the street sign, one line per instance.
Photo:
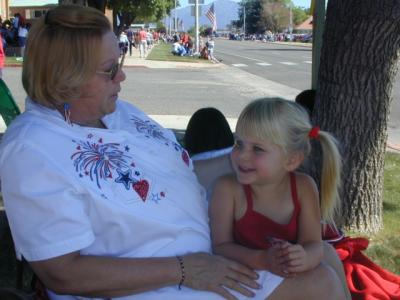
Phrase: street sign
(194, 1)
(193, 11)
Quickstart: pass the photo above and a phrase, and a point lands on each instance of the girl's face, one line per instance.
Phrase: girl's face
(256, 161)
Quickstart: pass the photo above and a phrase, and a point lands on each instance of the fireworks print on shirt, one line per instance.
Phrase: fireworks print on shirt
(107, 161)
(98, 160)
(152, 130)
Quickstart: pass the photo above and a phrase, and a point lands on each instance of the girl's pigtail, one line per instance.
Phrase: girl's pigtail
(330, 177)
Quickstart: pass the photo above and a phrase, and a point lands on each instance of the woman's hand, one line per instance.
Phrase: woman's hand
(215, 273)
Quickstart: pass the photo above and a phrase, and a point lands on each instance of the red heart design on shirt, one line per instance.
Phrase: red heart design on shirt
(142, 188)
(185, 157)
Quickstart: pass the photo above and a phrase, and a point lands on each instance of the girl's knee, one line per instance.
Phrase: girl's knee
(328, 282)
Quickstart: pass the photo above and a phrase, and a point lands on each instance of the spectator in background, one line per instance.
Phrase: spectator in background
(210, 47)
(178, 49)
(123, 43)
(131, 39)
(209, 140)
(156, 37)
(15, 20)
(149, 40)
(189, 47)
(307, 100)
(22, 35)
(142, 42)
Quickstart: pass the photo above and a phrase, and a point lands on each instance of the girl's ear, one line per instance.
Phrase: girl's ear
(294, 160)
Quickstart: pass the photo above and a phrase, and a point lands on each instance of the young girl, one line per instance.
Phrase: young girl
(268, 216)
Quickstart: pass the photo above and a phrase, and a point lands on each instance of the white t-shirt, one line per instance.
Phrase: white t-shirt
(125, 191)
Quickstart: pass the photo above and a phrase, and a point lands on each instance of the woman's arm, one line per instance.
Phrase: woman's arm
(95, 276)
(222, 217)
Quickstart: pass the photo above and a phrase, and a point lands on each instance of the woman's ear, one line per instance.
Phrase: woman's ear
(294, 160)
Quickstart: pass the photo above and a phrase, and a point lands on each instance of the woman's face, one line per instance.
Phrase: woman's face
(99, 95)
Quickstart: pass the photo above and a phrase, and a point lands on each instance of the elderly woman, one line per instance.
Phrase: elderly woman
(102, 201)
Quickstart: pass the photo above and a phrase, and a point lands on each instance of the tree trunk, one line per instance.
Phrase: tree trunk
(359, 57)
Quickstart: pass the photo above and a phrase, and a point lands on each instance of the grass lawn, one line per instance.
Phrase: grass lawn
(384, 247)
(13, 60)
(162, 52)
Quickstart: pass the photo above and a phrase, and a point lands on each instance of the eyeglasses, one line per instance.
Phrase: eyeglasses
(114, 69)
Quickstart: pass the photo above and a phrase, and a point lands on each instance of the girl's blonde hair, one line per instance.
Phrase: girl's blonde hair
(287, 125)
(62, 53)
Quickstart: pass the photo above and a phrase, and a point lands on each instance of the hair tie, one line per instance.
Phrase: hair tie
(314, 132)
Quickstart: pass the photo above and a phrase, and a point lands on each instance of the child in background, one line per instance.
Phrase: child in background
(268, 216)
(209, 140)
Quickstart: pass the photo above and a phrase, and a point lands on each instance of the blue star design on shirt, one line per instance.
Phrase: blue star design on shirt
(155, 198)
(125, 178)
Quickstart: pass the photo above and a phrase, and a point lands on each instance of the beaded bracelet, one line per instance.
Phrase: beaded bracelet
(180, 260)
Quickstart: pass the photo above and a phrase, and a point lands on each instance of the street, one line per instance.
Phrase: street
(250, 70)
(287, 64)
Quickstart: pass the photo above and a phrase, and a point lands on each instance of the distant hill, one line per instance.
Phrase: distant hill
(225, 10)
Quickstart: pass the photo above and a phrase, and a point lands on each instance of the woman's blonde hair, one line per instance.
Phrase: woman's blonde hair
(287, 125)
(62, 53)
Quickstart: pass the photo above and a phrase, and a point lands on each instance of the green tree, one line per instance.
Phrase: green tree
(299, 15)
(262, 15)
(359, 61)
(128, 11)
(275, 15)
(253, 10)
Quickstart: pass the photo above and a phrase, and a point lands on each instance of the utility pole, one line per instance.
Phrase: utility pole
(290, 21)
(175, 19)
(196, 13)
(244, 18)
(170, 25)
(318, 29)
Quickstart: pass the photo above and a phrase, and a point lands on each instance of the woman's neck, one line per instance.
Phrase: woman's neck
(95, 123)
(92, 123)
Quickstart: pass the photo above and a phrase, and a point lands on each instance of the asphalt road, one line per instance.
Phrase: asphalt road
(287, 64)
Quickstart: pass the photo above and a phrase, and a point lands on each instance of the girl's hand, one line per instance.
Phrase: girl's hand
(293, 257)
(215, 273)
(274, 260)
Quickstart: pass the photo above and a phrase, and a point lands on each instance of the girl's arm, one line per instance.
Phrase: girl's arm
(307, 254)
(222, 217)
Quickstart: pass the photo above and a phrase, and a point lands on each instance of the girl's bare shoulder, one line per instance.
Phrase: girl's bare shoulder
(306, 186)
(228, 185)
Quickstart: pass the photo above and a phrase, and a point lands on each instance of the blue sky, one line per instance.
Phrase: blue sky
(302, 3)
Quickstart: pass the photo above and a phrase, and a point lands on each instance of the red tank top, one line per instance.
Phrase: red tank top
(254, 230)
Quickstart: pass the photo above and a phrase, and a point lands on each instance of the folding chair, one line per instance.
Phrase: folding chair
(8, 108)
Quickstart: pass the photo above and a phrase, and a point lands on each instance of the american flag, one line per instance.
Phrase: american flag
(212, 17)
